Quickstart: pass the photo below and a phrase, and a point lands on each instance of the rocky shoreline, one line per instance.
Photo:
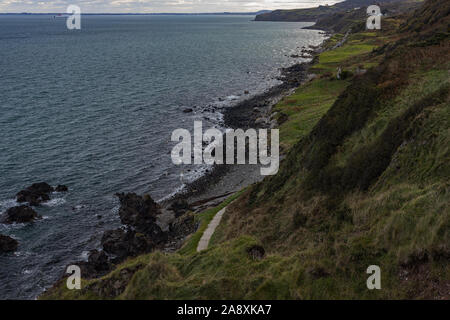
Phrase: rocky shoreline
(255, 112)
(149, 226)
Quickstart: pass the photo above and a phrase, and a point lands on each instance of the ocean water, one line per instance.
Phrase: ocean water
(94, 109)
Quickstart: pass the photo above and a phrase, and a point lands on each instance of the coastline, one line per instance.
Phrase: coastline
(211, 189)
(255, 112)
(349, 189)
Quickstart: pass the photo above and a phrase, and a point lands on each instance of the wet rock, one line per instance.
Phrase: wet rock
(98, 260)
(188, 110)
(126, 243)
(180, 207)
(7, 244)
(35, 194)
(139, 212)
(98, 265)
(61, 188)
(256, 252)
(41, 187)
(19, 214)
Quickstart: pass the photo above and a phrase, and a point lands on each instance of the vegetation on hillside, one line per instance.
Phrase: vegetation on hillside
(326, 16)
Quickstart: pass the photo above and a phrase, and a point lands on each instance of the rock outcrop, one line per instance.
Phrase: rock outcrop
(140, 234)
(35, 194)
(139, 213)
(180, 207)
(38, 193)
(126, 243)
(7, 244)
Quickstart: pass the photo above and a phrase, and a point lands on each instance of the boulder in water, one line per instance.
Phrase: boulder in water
(139, 212)
(35, 194)
(7, 244)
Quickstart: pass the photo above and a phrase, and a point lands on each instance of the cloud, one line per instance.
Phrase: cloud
(148, 6)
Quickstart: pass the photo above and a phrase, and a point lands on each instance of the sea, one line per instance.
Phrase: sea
(94, 109)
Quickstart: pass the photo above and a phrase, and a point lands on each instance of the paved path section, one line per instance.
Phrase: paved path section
(204, 241)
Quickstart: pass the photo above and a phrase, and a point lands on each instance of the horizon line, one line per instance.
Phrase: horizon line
(145, 13)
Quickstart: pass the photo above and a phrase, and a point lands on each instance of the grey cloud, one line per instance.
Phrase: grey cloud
(146, 6)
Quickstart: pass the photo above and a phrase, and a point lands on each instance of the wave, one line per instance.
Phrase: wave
(6, 204)
(54, 202)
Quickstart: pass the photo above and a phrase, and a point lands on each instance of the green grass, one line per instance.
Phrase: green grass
(422, 84)
(311, 101)
(330, 60)
(351, 55)
(305, 107)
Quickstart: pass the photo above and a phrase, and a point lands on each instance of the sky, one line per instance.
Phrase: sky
(152, 6)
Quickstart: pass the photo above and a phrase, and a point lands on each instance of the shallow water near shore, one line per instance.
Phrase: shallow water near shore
(94, 109)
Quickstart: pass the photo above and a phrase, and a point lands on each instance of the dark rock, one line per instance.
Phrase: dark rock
(188, 110)
(35, 194)
(256, 252)
(19, 214)
(41, 187)
(127, 243)
(180, 207)
(98, 260)
(246, 92)
(7, 244)
(114, 242)
(98, 265)
(140, 213)
(61, 188)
